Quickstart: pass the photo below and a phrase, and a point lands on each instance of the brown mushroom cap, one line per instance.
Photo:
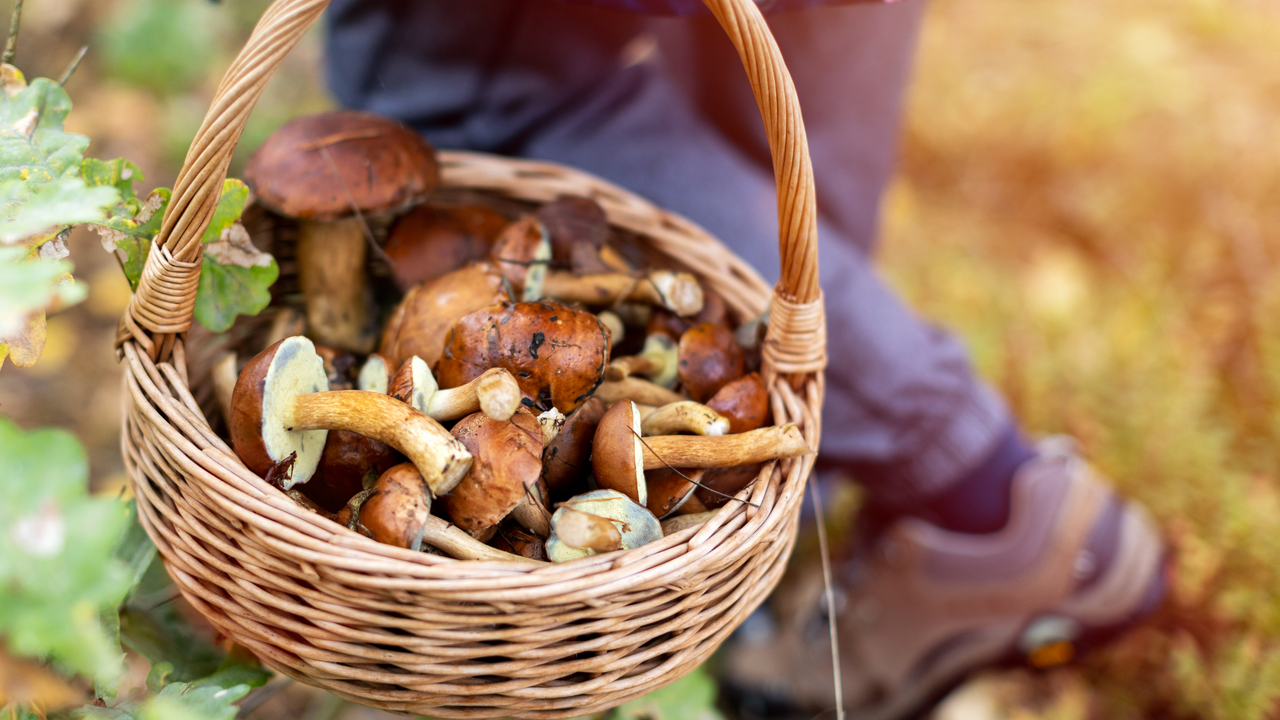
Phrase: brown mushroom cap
(507, 461)
(565, 460)
(573, 220)
(380, 166)
(274, 376)
(398, 510)
(719, 485)
(516, 540)
(710, 358)
(617, 458)
(745, 402)
(350, 463)
(521, 253)
(420, 323)
(672, 325)
(428, 242)
(669, 488)
(557, 354)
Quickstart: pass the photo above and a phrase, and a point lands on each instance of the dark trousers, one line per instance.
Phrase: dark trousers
(662, 107)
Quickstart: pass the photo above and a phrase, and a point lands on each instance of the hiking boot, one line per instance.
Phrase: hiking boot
(921, 608)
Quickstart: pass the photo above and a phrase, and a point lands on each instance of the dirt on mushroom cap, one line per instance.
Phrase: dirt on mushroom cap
(380, 165)
(557, 354)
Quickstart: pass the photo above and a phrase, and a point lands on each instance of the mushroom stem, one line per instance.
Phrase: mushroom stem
(495, 393)
(678, 292)
(440, 534)
(684, 417)
(685, 451)
(626, 366)
(532, 516)
(578, 529)
(637, 390)
(331, 260)
(441, 459)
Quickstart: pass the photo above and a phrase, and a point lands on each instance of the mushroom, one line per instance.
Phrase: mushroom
(710, 358)
(507, 463)
(429, 242)
(678, 292)
(685, 416)
(551, 421)
(396, 511)
(532, 512)
(514, 539)
(718, 485)
(375, 375)
(671, 526)
(658, 361)
(349, 464)
(495, 393)
(641, 391)
(327, 170)
(281, 412)
(613, 323)
(573, 221)
(745, 402)
(636, 525)
(564, 461)
(618, 454)
(668, 323)
(669, 488)
(522, 253)
(557, 354)
(420, 322)
(337, 367)
(584, 531)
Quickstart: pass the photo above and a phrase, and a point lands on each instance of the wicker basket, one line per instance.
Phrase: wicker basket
(415, 632)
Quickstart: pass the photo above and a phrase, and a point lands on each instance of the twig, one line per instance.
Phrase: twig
(75, 63)
(830, 594)
(11, 45)
(691, 480)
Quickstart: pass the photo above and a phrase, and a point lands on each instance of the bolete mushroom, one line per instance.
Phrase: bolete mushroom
(745, 402)
(717, 486)
(421, 321)
(282, 412)
(522, 253)
(514, 539)
(637, 390)
(397, 511)
(670, 488)
(685, 416)
(375, 374)
(710, 358)
(665, 322)
(636, 525)
(619, 454)
(349, 464)
(573, 221)
(326, 170)
(658, 361)
(557, 354)
(507, 463)
(495, 393)
(564, 461)
(678, 292)
(428, 241)
(613, 323)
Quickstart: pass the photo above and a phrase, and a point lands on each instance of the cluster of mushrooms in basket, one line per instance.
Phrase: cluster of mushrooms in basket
(533, 394)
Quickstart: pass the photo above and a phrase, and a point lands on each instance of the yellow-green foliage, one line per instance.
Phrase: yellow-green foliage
(1089, 195)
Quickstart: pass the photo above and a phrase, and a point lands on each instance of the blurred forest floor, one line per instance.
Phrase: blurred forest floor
(1085, 195)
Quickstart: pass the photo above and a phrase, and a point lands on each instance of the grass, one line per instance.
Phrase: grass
(1087, 196)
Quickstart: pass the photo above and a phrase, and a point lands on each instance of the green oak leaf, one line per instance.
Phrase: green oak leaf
(235, 278)
(692, 697)
(119, 174)
(34, 148)
(131, 235)
(37, 216)
(230, 206)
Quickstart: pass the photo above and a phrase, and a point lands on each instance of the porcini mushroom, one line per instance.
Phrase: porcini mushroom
(564, 461)
(665, 322)
(421, 321)
(349, 464)
(396, 511)
(637, 390)
(428, 241)
(281, 412)
(573, 221)
(557, 354)
(717, 486)
(495, 393)
(678, 292)
(325, 170)
(618, 453)
(507, 462)
(669, 489)
(745, 402)
(375, 375)
(710, 358)
(658, 361)
(685, 416)
(522, 253)
(636, 525)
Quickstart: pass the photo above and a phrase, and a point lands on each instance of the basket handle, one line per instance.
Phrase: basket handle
(163, 304)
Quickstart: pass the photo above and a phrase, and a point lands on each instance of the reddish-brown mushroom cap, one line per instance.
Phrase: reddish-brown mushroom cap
(428, 242)
(745, 402)
(507, 462)
(719, 485)
(710, 358)
(670, 488)
(319, 166)
(557, 354)
(397, 511)
(565, 460)
(521, 253)
(616, 453)
(573, 220)
(350, 463)
(421, 322)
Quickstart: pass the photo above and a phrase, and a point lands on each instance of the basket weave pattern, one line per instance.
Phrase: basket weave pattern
(416, 632)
